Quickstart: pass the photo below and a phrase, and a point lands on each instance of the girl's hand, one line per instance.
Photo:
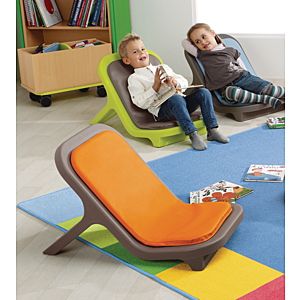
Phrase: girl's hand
(157, 81)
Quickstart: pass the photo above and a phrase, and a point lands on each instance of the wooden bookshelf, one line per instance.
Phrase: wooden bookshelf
(69, 69)
(62, 32)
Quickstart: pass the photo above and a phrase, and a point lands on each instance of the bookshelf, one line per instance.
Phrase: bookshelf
(62, 32)
(34, 70)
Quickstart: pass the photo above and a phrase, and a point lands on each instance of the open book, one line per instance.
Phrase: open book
(165, 73)
(224, 191)
(277, 122)
(265, 173)
(161, 98)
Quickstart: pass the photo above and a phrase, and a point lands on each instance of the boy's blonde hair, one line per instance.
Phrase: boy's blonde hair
(125, 41)
(205, 26)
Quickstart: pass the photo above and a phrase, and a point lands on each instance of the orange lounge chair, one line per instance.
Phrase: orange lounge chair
(120, 192)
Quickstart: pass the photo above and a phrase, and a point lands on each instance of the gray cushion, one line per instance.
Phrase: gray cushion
(119, 73)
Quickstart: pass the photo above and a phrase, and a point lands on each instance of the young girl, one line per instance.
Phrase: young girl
(225, 71)
(145, 85)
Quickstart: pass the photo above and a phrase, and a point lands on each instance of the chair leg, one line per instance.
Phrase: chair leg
(103, 115)
(68, 237)
(199, 264)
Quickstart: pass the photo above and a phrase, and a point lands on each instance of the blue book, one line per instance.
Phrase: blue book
(76, 13)
(72, 12)
(94, 19)
(52, 47)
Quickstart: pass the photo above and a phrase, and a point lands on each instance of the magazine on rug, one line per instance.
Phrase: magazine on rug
(265, 173)
(222, 190)
(277, 122)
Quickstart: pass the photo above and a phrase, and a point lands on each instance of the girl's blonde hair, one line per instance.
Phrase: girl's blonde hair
(125, 41)
(205, 26)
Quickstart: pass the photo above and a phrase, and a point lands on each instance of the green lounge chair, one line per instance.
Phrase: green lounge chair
(138, 122)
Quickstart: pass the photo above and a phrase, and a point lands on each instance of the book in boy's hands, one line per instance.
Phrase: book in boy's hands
(265, 173)
(165, 73)
(221, 191)
(161, 98)
(277, 122)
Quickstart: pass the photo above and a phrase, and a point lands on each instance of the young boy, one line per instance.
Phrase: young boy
(145, 85)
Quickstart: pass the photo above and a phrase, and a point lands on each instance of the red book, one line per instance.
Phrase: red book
(78, 22)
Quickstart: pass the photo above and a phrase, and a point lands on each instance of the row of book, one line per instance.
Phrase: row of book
(89, 13)
(41, 13)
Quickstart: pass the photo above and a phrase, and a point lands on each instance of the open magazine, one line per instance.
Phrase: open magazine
(265, 173)
(277, 122)
(224, 191)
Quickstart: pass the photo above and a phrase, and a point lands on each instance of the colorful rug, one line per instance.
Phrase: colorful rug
(250, 266)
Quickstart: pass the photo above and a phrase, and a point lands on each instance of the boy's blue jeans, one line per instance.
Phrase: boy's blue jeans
(179, 108)
(251, 83)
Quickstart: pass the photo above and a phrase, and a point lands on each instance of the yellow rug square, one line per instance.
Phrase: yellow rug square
(228, 276)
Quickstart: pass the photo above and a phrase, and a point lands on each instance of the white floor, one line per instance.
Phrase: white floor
(81, 272)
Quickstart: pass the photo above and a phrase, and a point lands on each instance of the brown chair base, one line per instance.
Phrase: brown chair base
(244, 113)
(197, 256)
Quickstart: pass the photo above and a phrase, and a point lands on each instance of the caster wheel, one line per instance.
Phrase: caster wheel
(45, 101)
(34, 97)
(101, 92)
(84, 90)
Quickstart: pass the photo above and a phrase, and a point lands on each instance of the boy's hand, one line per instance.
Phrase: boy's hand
(157, 81)
(171, 81)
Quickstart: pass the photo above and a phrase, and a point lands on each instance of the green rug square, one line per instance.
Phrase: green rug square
(152, 267)
(96, 234)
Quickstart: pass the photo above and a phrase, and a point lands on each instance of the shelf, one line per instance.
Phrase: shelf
(64, 26)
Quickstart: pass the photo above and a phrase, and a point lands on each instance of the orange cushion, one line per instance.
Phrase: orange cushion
(141, 202)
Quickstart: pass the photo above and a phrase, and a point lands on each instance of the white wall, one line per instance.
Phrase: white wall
(163, 24)
(266, 53)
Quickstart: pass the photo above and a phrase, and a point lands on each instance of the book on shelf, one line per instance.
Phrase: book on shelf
(276, 122)
(265, 173)
(49, 12)
(221, 191)
(79, 14)
(75, 11)
(39, 18)
(95, 16)
(88, 13)
(86, 43)
(103, 15)
(29, 12)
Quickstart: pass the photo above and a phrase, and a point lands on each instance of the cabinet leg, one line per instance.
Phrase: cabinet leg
(45, 101)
